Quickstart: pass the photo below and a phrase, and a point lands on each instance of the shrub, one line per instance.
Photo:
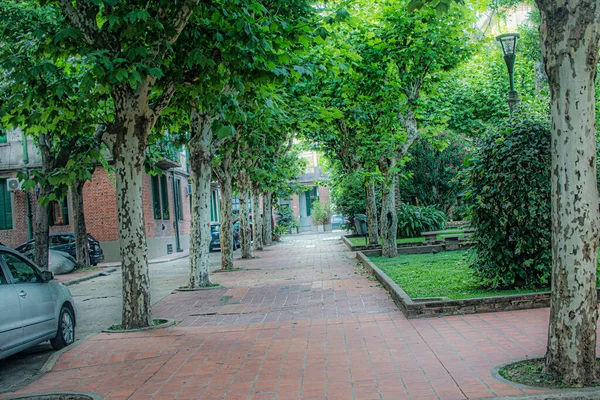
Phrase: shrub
(320, 213)
(412, 220)
(285, 215)
(509, 197)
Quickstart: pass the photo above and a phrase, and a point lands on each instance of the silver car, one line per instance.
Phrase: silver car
(33, 307)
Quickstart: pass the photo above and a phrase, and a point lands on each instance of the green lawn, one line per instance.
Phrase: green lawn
(445, 274)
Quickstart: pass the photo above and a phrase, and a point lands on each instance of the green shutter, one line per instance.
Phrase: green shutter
(5, 207)
(212, 207)
(156, 198)
(164, 190)
(178, 199)
(307, 198)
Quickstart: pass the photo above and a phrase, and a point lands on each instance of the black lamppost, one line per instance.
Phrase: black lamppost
(509, 48)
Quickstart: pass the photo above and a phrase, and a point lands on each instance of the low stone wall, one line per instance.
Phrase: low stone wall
(411, 248)
(418, 309)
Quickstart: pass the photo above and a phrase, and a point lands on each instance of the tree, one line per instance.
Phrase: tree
(570, 32)
(124, 45)
(52, 104)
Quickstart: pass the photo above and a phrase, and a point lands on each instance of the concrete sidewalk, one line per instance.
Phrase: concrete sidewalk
(299, 322)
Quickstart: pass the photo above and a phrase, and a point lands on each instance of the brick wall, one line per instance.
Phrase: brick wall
(100, 207)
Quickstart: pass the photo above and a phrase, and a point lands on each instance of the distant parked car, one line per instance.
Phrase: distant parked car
(236, 225)
(65, 242)
(34, 307)
(215, 240)
(337, 221)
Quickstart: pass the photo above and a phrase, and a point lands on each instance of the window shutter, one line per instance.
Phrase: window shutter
(5, 207)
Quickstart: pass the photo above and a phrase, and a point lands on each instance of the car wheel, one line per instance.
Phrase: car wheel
(65, 334)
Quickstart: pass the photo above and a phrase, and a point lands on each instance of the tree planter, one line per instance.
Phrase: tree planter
(320, 228)
(328, 228)
(160, 323)
(294, 231)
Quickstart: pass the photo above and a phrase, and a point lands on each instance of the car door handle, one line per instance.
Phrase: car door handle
(22, 294)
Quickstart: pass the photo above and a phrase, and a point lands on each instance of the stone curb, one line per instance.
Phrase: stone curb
(155, 261)
(49, 395)
(563, 394)
(422, 309)
(170, 322)
(49, 364)
(495, 373)
(88, 277)
(198, 289)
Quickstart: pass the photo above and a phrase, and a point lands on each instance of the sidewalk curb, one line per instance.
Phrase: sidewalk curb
(88, 277)
(118, 264)
(49, 364)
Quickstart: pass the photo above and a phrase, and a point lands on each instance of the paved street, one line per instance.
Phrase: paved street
(299, 321)
(99, 304)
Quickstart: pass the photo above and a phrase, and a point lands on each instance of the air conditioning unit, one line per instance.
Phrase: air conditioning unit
(13, 184)
(189, 189)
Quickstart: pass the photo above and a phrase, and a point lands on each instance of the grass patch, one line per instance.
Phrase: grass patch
(531, 372)
(155, 322)
(445, 274)
(87, 269)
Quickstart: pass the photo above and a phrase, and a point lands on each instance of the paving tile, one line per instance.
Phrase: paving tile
(299, 322)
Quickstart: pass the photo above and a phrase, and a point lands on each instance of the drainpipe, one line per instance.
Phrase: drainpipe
(27, 199)
(176, 209)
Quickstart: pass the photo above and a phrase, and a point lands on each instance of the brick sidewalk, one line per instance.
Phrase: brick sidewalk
(298, 322)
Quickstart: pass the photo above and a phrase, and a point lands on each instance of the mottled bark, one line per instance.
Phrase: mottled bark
(540, 78)
(257, 224)
(570, 32)
(200, 158)
(389, 218)
(243, 181)
(224, 174)
(41, 231)
(372, 214)
(82, 253)
(129, 154)
(267, 218)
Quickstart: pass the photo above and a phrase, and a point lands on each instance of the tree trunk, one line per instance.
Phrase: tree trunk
(225, 181)
(129, 153)
(389, 217)
(200, 158)
(245, 236)
(257, 224)
(42, 231)
(372, 214)
(540, 78)
(268, 217)
(82, 252)
(570, 34)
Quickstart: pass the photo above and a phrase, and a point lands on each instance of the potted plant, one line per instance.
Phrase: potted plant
(294, 227)
(321, 216)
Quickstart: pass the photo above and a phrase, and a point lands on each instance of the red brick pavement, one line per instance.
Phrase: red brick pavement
(299, 322)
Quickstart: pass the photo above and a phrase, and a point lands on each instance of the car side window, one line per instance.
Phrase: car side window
(3, 280)
(21, 270)
(59, 240)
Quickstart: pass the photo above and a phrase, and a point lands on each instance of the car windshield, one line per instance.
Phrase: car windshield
(215, 228)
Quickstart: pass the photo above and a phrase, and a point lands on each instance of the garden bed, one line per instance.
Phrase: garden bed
(428, 285)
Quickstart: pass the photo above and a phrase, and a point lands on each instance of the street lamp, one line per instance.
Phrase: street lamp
(509, 48)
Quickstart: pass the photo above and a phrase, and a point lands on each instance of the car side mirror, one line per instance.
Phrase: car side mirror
(47, 275)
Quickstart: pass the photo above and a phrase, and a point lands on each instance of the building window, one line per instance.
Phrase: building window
(178, 199)
(160, 197)
(156, 197)
(6, 221)
(59, 212)
(2, 135)
(164, 194)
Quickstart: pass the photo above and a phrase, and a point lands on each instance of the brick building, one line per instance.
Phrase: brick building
(166, 202)
(301, 203)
